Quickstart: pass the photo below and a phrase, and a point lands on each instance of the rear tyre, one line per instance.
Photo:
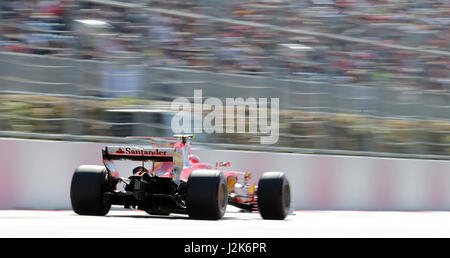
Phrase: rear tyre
(274, 196)
(207, 195)
(86, 191)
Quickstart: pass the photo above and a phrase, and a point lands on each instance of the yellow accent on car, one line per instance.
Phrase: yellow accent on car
(251, 189)
(231, 181)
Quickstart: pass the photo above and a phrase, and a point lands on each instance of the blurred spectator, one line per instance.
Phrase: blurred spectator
(45, 27)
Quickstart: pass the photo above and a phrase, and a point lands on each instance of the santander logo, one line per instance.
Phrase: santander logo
(143, 152)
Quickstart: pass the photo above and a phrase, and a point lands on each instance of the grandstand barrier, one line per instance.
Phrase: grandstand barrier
(37, 74)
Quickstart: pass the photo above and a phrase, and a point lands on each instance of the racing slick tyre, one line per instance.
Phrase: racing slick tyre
(86, 191)
(207, 195)
(274, 195)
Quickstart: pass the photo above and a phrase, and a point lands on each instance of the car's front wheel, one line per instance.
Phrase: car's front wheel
(274, 195)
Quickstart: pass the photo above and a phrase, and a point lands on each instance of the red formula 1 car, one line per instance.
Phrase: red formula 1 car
(172, 180)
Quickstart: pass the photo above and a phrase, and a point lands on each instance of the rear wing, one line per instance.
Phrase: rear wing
(137, 153)
(140, 153)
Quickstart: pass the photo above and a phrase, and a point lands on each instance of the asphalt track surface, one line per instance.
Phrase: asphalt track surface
(309, 224)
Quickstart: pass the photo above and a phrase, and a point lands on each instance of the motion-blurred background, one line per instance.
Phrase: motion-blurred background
(357, 77)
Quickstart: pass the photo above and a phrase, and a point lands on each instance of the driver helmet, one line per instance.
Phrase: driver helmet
(139, 171)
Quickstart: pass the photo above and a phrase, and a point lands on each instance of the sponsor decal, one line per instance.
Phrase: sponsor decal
(145, 152)
(132, 151)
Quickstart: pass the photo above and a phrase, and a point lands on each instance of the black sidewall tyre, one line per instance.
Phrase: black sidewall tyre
(274, 196)
(86, 191)
(207, 195)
